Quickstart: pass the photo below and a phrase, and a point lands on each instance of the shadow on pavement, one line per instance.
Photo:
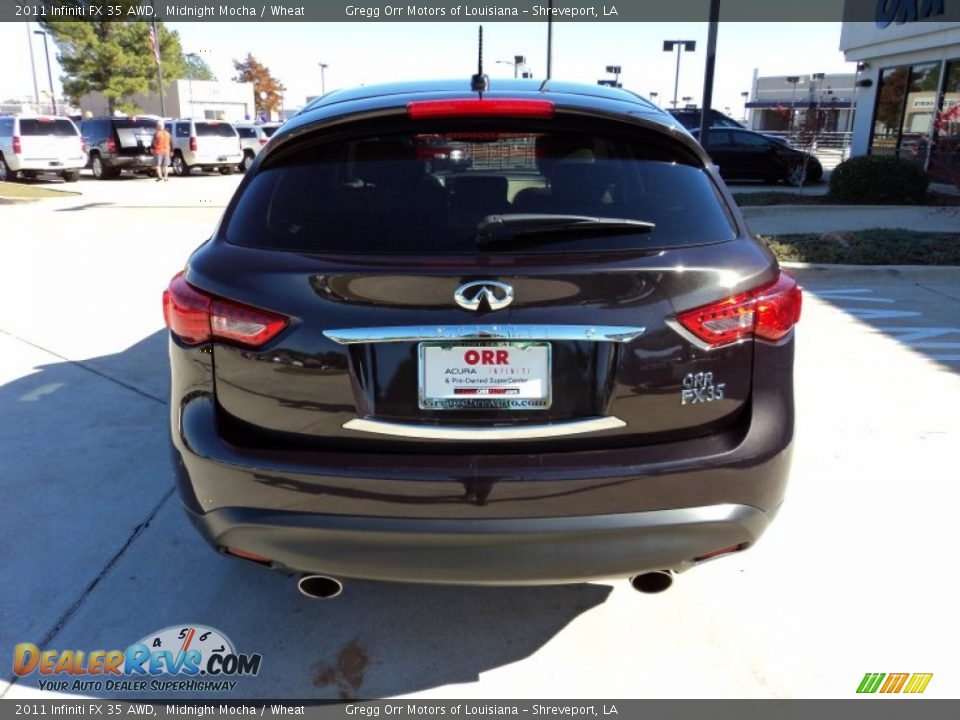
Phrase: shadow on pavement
(99, 555)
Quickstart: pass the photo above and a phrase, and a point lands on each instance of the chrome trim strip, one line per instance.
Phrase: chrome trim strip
(426, 333)
(462, 432)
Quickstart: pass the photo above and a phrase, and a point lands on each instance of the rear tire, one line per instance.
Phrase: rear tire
(246, 162)
(6, 174)
(226, 170)
(796, 175)
(180, 167)
(100, 170)
(71, 175)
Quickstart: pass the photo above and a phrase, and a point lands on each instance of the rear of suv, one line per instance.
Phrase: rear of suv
(567, 361)
(40, 145)
(115, 144)
(204, 144)
(252, 138)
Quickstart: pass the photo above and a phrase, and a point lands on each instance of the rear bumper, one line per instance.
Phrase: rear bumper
(134, 162)
(480, 552)
(53, 165)
(213, 159)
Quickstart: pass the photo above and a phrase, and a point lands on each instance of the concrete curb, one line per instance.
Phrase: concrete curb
(909, 273)
(16, 200)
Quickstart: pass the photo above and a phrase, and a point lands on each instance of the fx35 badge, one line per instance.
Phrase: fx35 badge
(700, 388)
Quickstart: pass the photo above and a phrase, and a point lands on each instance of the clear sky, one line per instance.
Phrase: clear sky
(374, 52)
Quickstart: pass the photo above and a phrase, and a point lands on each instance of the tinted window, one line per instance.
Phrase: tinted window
(42, 126)
(269, 131)
(215, 130)
(248, 133)
(135, 123)
(411, 193)
(720, 140)
(183, 130)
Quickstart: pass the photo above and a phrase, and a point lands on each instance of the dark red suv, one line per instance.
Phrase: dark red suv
(565, 361)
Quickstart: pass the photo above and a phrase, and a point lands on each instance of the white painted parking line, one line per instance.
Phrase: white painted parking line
(855, 294)
(912, 334)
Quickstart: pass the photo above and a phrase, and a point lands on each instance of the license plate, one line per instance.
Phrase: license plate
(222, 158)
(488, 376)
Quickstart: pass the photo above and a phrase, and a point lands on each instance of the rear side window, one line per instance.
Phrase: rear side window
(41, 126)
(215, 130)
(427, 193)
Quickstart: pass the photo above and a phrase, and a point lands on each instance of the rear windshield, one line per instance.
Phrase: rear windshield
(269, 131)
(215, 130)
(427, 193)
(146, 123)
(247, 132)
(38, 126)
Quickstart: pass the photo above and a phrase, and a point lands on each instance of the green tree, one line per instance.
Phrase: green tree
(113, 58)
(196, 69)
(251, 70)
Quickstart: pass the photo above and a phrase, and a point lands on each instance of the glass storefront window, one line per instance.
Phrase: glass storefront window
(945, 158)
(904, 114)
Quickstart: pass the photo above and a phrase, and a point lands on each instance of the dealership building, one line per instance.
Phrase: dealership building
(907, 83)
(202, 99)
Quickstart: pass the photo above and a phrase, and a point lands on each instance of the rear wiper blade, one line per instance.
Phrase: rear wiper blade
(495, 229)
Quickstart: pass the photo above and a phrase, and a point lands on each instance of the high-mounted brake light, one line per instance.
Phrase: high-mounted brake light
(768, 312)
(195, 317)
(489, 107)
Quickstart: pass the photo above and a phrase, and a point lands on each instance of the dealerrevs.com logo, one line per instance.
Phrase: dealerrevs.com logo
(184, 658)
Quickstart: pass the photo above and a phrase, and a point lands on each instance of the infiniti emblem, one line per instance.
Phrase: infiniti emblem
(471, 295)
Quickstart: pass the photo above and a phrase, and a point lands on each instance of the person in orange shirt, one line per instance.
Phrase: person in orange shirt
(161, 151)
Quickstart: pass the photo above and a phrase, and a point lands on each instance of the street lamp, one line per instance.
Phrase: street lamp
(46, 54)
(680, 45)
(686, 100)
(654, 96)
(191, 56)
(746, 97)
(517, 62)
(323, 81)
(793, 80)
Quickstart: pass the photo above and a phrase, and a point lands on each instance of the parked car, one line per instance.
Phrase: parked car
(40, 145)
(571, 362)
(115, 144)
(207, 144)
(748, 155)
(252, 138)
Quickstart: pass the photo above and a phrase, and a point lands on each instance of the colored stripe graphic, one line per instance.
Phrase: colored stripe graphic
(894, 683)
(870, 682)
(918, 683)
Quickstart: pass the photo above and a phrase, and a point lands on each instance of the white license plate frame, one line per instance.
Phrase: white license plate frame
(476, 395)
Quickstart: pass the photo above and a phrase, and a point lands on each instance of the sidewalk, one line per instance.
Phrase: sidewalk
(789, 219)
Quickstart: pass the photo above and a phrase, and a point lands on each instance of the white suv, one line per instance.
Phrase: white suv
(252, 138)
(207, 144)
(40, 144)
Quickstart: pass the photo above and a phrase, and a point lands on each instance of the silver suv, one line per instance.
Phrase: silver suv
(252, 138)
(40, 144)
(207, 144)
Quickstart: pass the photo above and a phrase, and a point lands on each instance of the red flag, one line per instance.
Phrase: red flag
(154, 45)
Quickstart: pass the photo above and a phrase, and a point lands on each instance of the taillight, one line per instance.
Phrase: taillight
(16, 145)
(263, 141)
(111, 145)
(768, 312)
(193, 144)
(83, 146)
(196, 317)
(491, 107)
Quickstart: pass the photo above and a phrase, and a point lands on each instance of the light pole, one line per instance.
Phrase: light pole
(46, 53)
(793, 80)
(686, 100)
(680, 45)
(517, 62)
(655, 96)
(746, 97)
(191, 56)
(33, 67)
(323, 79)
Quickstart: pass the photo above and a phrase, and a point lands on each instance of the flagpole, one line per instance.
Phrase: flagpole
(159, 57)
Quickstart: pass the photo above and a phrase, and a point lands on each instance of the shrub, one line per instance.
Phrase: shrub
(878, 180)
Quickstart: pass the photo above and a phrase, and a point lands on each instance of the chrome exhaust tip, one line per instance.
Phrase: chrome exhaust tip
(319, 587)
(652, 582)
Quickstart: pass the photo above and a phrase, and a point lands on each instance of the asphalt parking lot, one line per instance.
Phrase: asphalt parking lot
(853, 577)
